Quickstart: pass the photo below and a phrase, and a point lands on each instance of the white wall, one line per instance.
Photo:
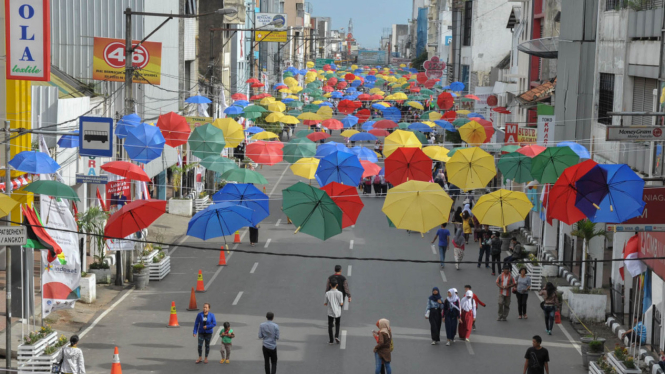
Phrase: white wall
(490, 39)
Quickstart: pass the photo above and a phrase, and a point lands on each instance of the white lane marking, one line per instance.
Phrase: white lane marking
(443, 276)
(565, 332)
(279, 180)
(235, 302)
(278, 222)
(254, 268)
(107, 311)
(342, 343)
(348, 271)
(215, 336)
(433, 250)
(176, 246)
(267, 243)
(468, 348)
(227, 260)
(351, 244)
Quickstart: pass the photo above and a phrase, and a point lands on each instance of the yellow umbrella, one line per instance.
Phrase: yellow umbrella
(415, 104)
(384, 103)
(390, 97)
(296, 89)
(267, 100)
(233, 132)
(289, 120)
(6, 205)
(290, 81)
(401, 96)
(437, 153)
(429, 123)
(310, 64)
(274, 117)
(473, 133)
(417, 206)
(317, 102)
(502, 208)
(349, 133)
(325, 112)
(463, 111)
(433, 116)
(470, 168)
(264, 135)
(305, 167)
(400, 138)
(285, 90)
(310, 116)
(277, 106)
(374, 90)
(294, 97)
(327, 95)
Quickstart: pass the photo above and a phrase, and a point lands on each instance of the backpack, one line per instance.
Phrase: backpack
(377, 180)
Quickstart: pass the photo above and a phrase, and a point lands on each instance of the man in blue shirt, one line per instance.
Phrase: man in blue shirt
(203, 326)
(638, 330)
(444, 239)
(269, 332)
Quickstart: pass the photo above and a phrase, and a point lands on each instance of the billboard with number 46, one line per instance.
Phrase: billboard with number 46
(108, 61)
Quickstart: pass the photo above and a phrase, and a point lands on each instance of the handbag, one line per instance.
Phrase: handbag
(542, 305)
(56, 367)
(557, 317)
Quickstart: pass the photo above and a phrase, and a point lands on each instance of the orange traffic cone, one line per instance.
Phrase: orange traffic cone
(222, 257)
(173, 319)
(200, 287)
(115, 366)
(192, 301)
(264, 189)
(236, 238)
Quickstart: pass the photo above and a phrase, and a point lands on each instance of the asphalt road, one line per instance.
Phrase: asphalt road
(293, 288)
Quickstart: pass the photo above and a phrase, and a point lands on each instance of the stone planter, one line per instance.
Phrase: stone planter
(27, 352)
(141, 280)
(594, 369)
(588, 307)
(590, 357)
(102, 276)
(620, 367)
(200, 204)
(529, 248)
(181, 207)
(505, 244)
(159, 270)
(550, 271)
(88, 288)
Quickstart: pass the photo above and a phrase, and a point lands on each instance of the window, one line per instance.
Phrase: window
(643, 99)
(465, 77)
(468, 14)
(606, 98)
(281, 7)
(190, 7)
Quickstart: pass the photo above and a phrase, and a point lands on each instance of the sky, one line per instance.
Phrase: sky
(369, 16)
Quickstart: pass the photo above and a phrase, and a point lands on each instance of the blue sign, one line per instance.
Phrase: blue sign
(96, 136)
(448, 40)
(94, 179)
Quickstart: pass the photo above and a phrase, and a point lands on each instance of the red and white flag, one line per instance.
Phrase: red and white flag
(101, 201)
(630, 250)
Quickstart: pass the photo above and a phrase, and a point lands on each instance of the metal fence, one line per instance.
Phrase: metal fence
(617, 301)
(635, 5)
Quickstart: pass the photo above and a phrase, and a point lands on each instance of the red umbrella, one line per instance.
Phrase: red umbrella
(257, 85)
(327, 88)
(489, 127)
(364, 97)
(407, 164)
(376, 97)
(385, 124)
(346, 106)
(256, 97)
(332, 124)
(421, 77)
(263, 152)
(531, 150)
(430, 83)
(445, 100)
(281, 86)
(316, 136)
(379, 132)
(562, 196)
(311, 122)
(126, 169)
(175, 128)
(252, 80)
(332, 81)
(450, 115)
(347, 199)
(414, 89)
(370, 168)
(239, 96)
(473, 97)
(349, 77)
(499, 109)
(363, 115)
(341, 85)
(134, 217)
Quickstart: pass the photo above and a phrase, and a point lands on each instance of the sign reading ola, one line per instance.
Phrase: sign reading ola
(28, 40)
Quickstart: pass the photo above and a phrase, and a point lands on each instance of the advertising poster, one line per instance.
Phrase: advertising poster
(108, 61)
(28, 40)
(195, 122)
(118, 193)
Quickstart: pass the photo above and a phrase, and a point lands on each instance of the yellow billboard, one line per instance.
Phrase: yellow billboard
(270, 36)
(108, 61)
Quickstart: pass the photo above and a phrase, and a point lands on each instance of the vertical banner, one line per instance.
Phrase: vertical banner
(62, 276)
(511, 133)
(545, 125)
(28, 40)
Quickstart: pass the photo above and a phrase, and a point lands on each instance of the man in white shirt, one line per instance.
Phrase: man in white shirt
(334, 301)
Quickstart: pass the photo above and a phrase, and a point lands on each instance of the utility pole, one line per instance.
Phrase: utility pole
(251, 41)
(8, 258)
(212, 72)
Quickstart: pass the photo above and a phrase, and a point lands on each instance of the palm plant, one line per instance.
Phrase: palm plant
(92, 221)
(586, 230)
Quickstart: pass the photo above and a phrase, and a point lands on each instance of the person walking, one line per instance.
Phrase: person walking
(203, 326)
(226, 334)
(505, 282)
(334, 302)
(269, 332)
(458, 245)
(476, 299)
(467, 225)
(468, 306)
(495, 251)
(253, 235)
(383, 347)
(451, 314)
(342, 283)
(523, 287)
(485, 248)
(457, 216)
(376, 183)
(537, 358)
(433, 314)
(444, 240)
(71, 357)
(550, 304)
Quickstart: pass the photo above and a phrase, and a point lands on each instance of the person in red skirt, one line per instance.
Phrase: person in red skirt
(468, 315)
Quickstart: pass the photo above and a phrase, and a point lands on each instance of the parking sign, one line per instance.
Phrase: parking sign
(96, 136)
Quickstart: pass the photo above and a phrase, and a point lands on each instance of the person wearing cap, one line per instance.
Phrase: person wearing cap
(505, 282)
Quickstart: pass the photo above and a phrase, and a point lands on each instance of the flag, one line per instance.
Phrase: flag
(39, 238)
(630, 250)
(646, 301)
(101, 200)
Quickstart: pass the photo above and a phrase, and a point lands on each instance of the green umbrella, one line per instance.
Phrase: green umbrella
(244, 176)
(312, 211)
(550, 163)
(307, 90)
(510, 148)
(516, 167)
(425, 91)
(403, 125)
(315, 84)
(460, 122)
(251, 115)
(294, 104)
(379, 82)
(52, 188)
(419, 135)
(294, 112)
(465, 100)
(310, 108)
(452, 151)
(218, 163)
(288, 74)
(303, 133)
(254, 108)
(206, 140)
(298, 148)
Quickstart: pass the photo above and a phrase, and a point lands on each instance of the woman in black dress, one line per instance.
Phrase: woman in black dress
(253, 235)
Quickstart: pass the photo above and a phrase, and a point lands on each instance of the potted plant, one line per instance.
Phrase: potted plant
(36, 342)
(141, 276)
(160, 266)
(594, 352)
(622, 362)
(586, 230)
(93, 221)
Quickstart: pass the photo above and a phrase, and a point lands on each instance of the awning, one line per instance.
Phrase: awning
(544, 48)
(537, 94)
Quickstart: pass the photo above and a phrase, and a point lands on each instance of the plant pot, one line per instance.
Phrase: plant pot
(29, 351)
(505, 244)
(141, 280)
(88, 286)
(529, 248)
(147, 258)
(550, 271)
(102, 276)
(619, 365)
(181, 207)
(589, 357)
(38, 364)
(159, 270)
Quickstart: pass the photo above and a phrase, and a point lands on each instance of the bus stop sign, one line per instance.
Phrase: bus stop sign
(96, 136)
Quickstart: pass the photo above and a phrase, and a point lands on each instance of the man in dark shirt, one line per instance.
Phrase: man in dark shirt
(343, 284)
(537, 358)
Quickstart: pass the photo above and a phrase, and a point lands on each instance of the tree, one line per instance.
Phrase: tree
(417, 63)
(93, 221)
(586, 230)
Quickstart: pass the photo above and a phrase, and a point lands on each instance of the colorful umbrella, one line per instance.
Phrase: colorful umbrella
(316, 136)
(303, 133)
(34, 162)
(175, 128)
(562, 196)
(364, 153)
(244, 176)
(502, 208)
(408, 164)
(134, 217)
(305, 167)
(371, 168)
(549, 164)
(298, 148)
(347, 199)
(400, 138)
(7, 204)
(144, 143)
(126, 170)
(218, 164)
(264, 135)
(417, 206)
(379, 132)
(52, 188)
(198, 99)
(246, 195)
(577, 148)
(220, 219)
(206, 140)
(340, 167)
(473, 133)
(516, 167)
(233, 131)
(470, 168)
(510, 148)
(363, 136)
(349, 133)
(622, 189)
(312, 211)
(445, 101)
(263, 152)
(531, 150)
(385, 124)
(125, 124)
(327, 148)
(69, 141)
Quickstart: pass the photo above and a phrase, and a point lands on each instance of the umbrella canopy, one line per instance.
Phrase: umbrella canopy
(436, 152)
(473, 133)
(562, 196)
(347, 199)
(312, 211)
(371, 168)
(510, 148)
(445, 101)
(446, 125)
(303, 133)
(379, 132)
(264, 135)
(218, 163)
(298, 148)
(144, 143)
(52, 188)
(349, 121)
(624, 191)
(254, 130)
(408, 164)
(263, 152)
(305, 167)
(577, 148)
(417, 206)
(244, 176)
(198, 99)
(418, 126)
(233, 131)
(549, 164)
(246, 195)
(516, 167)
(340, 167)
(502, 208)
(316, 136)
(127, 170)
(220, 219)
(69, 141)
(385, 124)
(125, 124)
(327, 148)
(531, 150)
(400, 138)
(363, 136)
(134, 217)
(206, 140)
(349, 133)
(470, 168)
(6, 205)
(332, 124)
(175, 128)
(364, 154)
(34, 162)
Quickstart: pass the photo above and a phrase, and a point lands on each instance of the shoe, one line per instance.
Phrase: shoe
(221, 361)
(478, 266)
(519, 317)
(494, 274)
(549, 332)
(467, 340)
(228, 362)
(205, 361)
(498, 319)
(457, 266)
(433, 343)
(474, 328)
(448, 343)
(525, 317)
(198, 361)
(331, 343)
(337, 340)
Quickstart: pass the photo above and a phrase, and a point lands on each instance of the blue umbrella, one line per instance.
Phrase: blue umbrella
(349, 121)
(336, 95)
(144, 143)
(34, 162)
(457, 86)
(198, 99)
(368, 125)
(420, 127)
(370, 78)
(242, 103)
(445, 125)
(356, 83)
(365, 154)
(254, 130)
(391, 113)
(350, 97)
(383, 172)
(331, 147)
(219, 220)
(475, 115)
(340, 167)
(233, 110)
(623, 191)
(577, 148)
(245, 195)
(363, 136)
(287, 100)
(378, 106)
(326, 103)
(127, 123)
(351, 90)
(358, 71)
(69, 141)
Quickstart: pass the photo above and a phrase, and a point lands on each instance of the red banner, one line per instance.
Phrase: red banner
(118, 193)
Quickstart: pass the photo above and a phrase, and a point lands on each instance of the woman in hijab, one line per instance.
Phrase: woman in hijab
(383, 346)
(451, 314)
(433, 313)
(468, 306)
(458, 245)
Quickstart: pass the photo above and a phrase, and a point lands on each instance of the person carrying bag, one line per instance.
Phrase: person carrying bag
(70, 359)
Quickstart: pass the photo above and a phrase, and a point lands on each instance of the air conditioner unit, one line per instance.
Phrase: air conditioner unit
(300, 6)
